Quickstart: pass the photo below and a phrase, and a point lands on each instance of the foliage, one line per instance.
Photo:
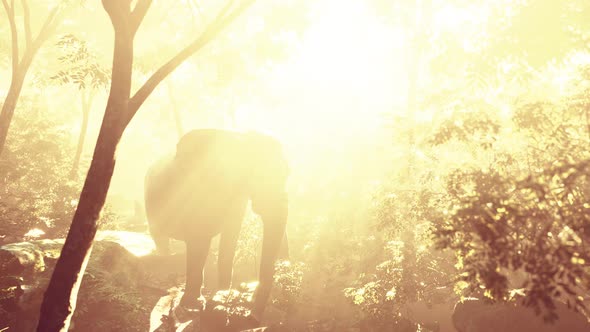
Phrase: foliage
(118, 304)
(236, 301)
(479, 126)
(81, 66)
(536, 225)
(288, 280)
(498, 175)
(375, 293)
(36, 190)
(518, 225)
(406, 271)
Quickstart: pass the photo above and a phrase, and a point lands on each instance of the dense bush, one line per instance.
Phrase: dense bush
(36, 190)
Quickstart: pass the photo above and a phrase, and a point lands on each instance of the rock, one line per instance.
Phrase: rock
(139, 244)
(117, 293)
(25, 259)
(225, 311)
(473, 315)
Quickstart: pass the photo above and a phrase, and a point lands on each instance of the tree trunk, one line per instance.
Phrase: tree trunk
(86, 103)
(9, 106)
(59, 301)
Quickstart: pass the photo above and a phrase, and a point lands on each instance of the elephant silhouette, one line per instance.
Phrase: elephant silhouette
(203, 190)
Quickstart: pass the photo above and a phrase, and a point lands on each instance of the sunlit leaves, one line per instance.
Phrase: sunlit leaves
(36, 191)
(81, 67)
(533, 116)
(509, 224)
(375, 295)
(468, 126)
(288, 281)
(540, 23)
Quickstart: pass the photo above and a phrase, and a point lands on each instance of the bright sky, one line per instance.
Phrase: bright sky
(346, 73)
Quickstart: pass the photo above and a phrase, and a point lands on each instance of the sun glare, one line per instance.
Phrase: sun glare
(347, 71)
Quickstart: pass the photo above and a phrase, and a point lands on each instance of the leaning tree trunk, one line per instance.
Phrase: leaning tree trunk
(59, 301)
(56, 309)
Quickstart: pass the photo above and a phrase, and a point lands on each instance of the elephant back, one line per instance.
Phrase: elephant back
(209, 179)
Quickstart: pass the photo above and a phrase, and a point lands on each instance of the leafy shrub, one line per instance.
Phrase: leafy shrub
(35, 189)
(500, 226)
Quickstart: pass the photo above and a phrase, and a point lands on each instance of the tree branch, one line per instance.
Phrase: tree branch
(27, 22)
(119, 11)
(47, 29)
(84, 99)
(139, 12)
(222, 21)
(14, 35)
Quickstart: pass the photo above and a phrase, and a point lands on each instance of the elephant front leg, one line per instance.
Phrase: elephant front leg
(196, 255)
(273, 210)
(271, 244)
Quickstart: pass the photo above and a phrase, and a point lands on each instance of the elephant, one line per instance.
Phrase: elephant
(203, 190)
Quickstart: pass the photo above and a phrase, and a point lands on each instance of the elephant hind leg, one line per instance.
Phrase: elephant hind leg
(161, 241)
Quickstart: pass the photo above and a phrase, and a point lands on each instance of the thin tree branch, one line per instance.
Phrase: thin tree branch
(90, 98)
(27, 22)
(222, 21)
(84, 99)
(224, 10)
(139, 12)
(48, 27)
(14, 35)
